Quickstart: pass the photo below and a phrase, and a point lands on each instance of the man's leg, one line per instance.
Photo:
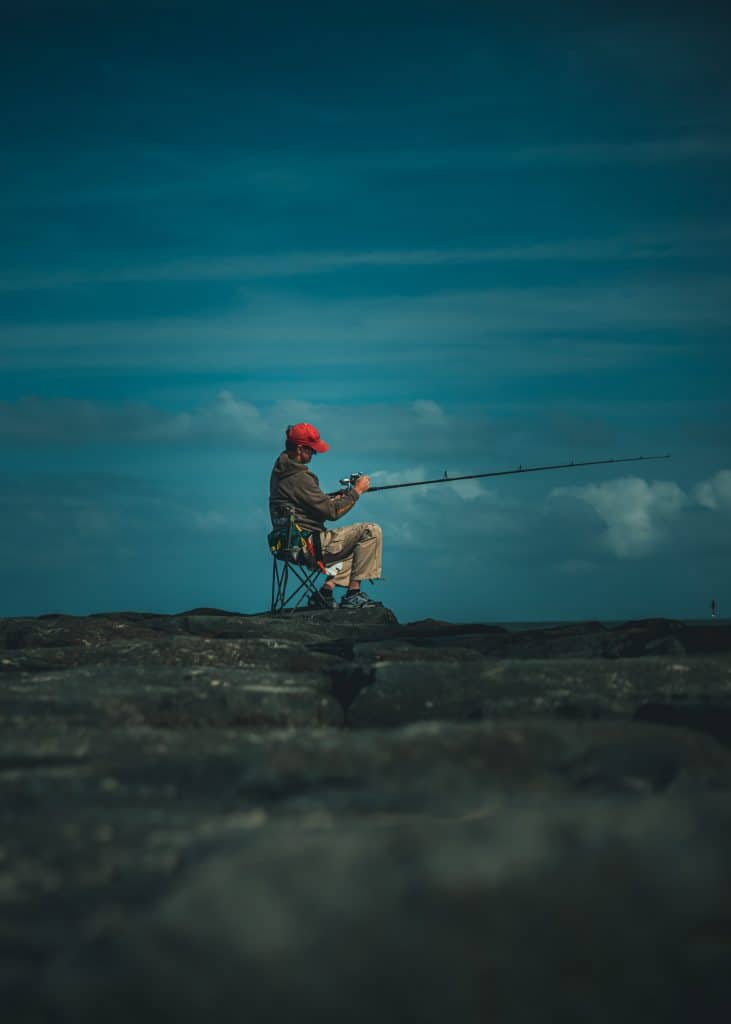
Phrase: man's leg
(359, 548)
(367, 556)
(342, 577)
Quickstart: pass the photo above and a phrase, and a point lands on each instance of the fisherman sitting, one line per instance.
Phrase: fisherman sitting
(357, 547)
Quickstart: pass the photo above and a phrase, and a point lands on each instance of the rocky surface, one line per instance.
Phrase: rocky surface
(331, 814)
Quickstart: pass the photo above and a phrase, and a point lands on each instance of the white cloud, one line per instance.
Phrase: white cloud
(429, 413)
(635, 513)
(468, 490)
(229, 420)
(228, 417)
(385, 478)
(465, 490)
(640, 516)
(716, 492)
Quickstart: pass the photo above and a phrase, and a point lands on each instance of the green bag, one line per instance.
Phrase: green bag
(290, 542)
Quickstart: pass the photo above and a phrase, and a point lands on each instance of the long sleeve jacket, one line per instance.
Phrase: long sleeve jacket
(292, 485)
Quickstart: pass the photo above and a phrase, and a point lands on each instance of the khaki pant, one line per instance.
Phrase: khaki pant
(358, 547)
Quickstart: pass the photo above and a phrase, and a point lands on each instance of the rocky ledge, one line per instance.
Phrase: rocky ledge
(334, 815)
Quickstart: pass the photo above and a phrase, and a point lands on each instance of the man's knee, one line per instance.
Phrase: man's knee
(372, 530)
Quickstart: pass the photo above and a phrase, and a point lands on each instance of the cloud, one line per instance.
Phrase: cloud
(640, 517)
(454, 523)
(466, 490)
(34, 420)
(367, 436)
(636, 517)
(387, 478)
(106, 540)
(579, 531)
(429, 413)
(716, 492)
(230, 421)
(228, 418)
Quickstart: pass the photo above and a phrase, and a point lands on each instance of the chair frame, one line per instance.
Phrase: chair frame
(306, 586)
(284, 562)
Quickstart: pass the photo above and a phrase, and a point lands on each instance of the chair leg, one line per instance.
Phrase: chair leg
(305, 585)
(280, 576)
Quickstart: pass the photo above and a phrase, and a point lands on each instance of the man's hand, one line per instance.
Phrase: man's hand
(362, 484)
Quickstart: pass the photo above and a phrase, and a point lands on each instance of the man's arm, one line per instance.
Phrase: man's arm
(331, 506)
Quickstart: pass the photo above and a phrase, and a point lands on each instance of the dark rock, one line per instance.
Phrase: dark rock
(376, 652)
(591, 639)
(526, 911)
(697, 639)
(708, 717)
(541, 830)
(400, 690)
(100, 696)
(179, 650)
(436, 627)
(210, 611)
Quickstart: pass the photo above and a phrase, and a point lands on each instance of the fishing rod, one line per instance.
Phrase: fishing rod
(349, 481)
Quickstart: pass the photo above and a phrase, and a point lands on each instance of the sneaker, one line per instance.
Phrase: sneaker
(321, 599)
(357, 599)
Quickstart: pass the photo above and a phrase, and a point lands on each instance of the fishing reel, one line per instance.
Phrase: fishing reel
(348, 482)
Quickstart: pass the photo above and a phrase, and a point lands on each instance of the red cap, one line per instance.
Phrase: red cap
(305, 434)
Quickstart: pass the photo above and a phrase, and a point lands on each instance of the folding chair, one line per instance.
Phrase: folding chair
(295, 563)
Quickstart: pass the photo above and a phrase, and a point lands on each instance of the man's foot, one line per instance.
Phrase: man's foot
(357, 599)
(322, 599)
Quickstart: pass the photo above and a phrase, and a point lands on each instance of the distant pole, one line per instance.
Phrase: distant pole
(713, 609)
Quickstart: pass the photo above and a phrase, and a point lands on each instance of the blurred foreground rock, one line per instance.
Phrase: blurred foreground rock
(332, 815)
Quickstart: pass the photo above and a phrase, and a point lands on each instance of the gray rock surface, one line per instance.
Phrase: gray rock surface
(211, 815)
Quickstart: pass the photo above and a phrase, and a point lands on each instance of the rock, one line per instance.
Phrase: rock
(513, 824)
(577, 640)
(166, 697)
(445, 766)
(711, 718)
(180, 650)
(525, 907)
(400, 689)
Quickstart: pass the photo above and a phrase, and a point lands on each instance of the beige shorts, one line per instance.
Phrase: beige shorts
(358, 547)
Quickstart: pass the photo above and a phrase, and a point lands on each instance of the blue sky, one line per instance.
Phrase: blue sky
(452, 236)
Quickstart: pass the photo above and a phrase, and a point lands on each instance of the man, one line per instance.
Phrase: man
(358, 547)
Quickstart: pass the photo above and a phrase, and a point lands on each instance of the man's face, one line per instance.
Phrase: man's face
(306, 453)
